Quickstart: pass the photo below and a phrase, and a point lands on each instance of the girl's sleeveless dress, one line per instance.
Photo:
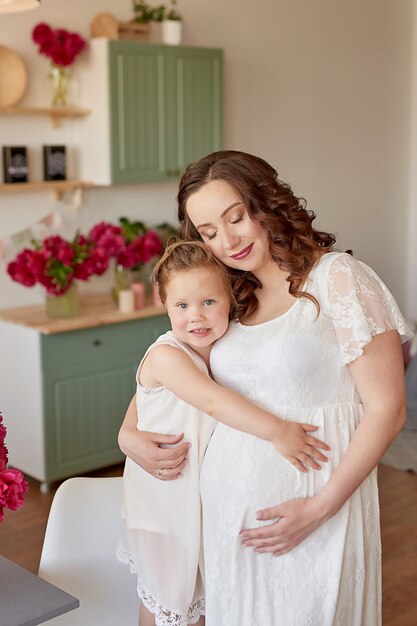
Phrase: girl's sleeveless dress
(296, 366)
(163, 518)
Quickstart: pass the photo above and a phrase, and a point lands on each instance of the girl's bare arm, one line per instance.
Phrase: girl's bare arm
(175, 370)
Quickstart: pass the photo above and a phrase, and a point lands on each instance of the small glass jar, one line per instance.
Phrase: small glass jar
(60, 86)
(64, 305)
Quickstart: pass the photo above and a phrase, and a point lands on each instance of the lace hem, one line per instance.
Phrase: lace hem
(163, 616)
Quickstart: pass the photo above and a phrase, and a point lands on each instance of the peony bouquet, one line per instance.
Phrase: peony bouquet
(61, 46)
(132, 244)
(56, 263)
(12, 484)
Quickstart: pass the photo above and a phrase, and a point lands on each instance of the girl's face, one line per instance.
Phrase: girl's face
(198, 305)
(222, 220)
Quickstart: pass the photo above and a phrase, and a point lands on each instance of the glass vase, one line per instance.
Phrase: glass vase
(65, 305)
(60, 86)
(122, 280)
(144, 274)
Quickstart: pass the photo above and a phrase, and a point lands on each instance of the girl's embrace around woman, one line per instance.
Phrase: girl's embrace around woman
(175, 392)
(318, 341)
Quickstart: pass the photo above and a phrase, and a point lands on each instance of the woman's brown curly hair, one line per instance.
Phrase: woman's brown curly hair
(293, 242)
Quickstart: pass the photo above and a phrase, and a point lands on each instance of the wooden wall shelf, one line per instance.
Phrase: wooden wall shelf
(56, 114)
(57, 187)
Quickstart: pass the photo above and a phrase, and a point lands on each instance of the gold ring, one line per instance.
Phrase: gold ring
(160, 471)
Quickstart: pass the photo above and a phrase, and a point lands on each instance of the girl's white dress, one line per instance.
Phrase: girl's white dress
(163, 519)
(296, 367)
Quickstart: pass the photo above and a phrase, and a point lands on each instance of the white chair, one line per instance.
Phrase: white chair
(78, 554)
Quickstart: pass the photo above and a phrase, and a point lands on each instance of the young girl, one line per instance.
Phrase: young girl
(175, 393)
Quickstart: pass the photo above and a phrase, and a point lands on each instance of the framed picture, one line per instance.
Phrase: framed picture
(54, 163)
(15, 164)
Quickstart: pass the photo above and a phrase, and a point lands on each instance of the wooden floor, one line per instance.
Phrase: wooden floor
(21, 536)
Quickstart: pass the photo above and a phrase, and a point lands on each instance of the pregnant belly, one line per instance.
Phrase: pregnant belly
(242, 474)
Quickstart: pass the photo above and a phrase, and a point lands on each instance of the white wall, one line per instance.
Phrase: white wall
(321, 89)
(411, 304)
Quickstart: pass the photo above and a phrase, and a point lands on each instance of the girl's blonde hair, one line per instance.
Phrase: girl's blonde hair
(180, 256)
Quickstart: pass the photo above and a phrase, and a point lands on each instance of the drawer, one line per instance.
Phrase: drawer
(102, 342)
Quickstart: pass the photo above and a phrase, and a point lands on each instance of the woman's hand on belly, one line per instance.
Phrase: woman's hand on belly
(297, 519)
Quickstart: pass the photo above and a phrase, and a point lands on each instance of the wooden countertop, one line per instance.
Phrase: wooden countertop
(95, 310)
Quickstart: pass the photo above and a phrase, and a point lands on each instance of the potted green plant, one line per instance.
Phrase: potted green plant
(167, 16)
(171, 25)
(144, 13)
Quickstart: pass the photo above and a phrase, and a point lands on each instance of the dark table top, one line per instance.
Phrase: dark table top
(27, 599)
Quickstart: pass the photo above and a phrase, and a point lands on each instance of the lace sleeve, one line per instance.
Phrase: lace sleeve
(361, 306)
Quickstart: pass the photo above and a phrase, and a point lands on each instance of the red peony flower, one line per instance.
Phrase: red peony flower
(13, 486)
(41, 33)
(55, 263)
(61, 46)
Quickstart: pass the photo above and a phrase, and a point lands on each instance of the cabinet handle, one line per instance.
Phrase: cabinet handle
(177, 172)
(97, 342)
(169, 173)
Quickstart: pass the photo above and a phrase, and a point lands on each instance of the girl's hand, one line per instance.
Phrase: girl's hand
(300, 448)
(297, 519)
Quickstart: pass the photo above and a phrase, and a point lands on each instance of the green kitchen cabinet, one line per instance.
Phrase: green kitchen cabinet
(78, 385)
(163, 107)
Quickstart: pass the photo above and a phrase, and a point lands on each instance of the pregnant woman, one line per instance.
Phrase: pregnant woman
(318, 341)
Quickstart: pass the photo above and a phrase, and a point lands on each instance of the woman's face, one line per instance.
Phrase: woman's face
(221, 218)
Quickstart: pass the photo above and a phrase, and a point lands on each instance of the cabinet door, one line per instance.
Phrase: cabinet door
(137, 117)
(194, 104)
(88, 382)
(166, 109)
(87, 410)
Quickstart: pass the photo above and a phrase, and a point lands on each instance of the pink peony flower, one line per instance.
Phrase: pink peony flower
(4, 458)
(132, 245)
(12, 490)
(59, 249)
(152, 245)
(132, 254)
(96, 264)
(13, 486)
(2, 432)
(107, 237)
(27, 268)
(55, 288)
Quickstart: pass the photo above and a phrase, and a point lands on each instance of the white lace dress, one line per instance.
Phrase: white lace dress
(295, 366)
(163, 518)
